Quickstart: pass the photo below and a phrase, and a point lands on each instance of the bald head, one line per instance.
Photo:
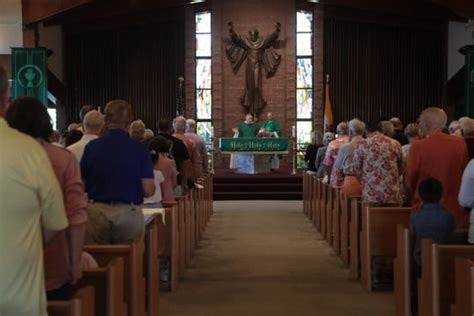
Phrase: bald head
(93, 122)
(432, 120)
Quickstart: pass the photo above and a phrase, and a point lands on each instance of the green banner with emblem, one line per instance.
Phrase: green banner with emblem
(30, 73)
(254, 145)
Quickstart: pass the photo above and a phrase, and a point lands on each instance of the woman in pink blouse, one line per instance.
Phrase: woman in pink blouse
(160, 148)
(63, 254)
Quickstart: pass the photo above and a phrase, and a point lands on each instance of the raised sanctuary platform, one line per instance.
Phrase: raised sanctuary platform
(278, 185)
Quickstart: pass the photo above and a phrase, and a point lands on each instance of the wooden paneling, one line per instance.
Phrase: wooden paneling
(139, 64)
(379, 71)
(37, 10)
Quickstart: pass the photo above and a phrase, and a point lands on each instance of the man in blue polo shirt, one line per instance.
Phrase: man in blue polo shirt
(118, 174)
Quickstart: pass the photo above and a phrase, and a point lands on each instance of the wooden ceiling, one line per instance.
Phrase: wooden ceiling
(78, 11)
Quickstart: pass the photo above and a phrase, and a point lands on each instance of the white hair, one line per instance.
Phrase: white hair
(190, 125)
(356, 127)
(179, 124)
(342, 128)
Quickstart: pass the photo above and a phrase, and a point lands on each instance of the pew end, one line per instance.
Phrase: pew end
(402, 272)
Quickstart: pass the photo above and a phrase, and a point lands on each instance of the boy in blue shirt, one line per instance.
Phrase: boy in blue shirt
(431, 221)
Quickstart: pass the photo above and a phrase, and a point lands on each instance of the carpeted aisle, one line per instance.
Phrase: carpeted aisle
(265, 258)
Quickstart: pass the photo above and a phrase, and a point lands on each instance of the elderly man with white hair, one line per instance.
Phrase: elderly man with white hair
(438, 156)
(198, 141)
(179, 126)
(93, 125)
(350, 185)
(335, 179)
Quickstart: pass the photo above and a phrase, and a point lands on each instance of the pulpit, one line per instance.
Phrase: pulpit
(253, 155)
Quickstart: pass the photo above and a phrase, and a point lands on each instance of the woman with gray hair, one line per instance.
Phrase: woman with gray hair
(321, 170)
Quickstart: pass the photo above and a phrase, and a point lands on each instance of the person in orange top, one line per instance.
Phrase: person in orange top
(438, 156)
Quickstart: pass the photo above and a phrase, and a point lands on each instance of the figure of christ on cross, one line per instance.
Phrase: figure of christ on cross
(259, 52)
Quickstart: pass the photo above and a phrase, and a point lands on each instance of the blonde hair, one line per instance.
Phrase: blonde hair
(137, 130)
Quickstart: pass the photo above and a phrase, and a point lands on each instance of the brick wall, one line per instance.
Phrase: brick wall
(279, 90)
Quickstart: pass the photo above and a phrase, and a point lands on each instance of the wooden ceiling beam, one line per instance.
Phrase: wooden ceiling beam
(37, 10)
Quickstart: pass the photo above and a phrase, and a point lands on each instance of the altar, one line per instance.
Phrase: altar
(254, 155)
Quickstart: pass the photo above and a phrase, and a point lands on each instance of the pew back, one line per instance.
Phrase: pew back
(436, 287)
(378, 239)
(464, 279)
(402, 270)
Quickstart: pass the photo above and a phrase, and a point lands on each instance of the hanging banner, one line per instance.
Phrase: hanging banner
(30, 73)
(254, 145)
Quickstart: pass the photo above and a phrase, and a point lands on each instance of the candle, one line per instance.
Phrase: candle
(293, 131)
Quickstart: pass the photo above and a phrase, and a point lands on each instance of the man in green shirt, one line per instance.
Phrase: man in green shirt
(248, 128)
(271, 126)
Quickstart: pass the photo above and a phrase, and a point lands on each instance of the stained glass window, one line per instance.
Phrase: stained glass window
(205, 130)
(304, 73)
(304, 82)
(304, 21)
(304, 103)
(203, 45)
(304, 129)
(203, 22)
(204, 76)
(303, 47)
(204, 104)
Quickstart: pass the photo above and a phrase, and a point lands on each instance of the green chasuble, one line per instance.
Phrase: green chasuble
(248, 130)
(272, 126)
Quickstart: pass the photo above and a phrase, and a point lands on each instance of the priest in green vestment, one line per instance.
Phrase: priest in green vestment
(248, 128)
(271, 126)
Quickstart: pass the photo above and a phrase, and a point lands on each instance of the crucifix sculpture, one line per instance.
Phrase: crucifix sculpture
(259, 52)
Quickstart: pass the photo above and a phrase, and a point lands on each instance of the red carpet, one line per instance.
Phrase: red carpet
(278, 185)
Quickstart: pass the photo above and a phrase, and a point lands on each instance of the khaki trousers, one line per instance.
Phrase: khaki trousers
(114, 223)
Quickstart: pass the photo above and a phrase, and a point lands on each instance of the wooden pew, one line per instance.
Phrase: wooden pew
(322, 209)
(344, 228)
(134, 281)
(464, 288)
(402, 271)
(189, 221)
(168, 241)
(378, 238)
(82, 304)
(436, 287)
(182, 234)
(108, 284)
(314, 200)
(329, 214)
(354, 234)
(336, 219)
(306, 193)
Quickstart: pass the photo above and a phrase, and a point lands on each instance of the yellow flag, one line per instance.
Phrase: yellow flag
(328, 118)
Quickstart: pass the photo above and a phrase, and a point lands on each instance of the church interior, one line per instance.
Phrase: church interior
(223, 157)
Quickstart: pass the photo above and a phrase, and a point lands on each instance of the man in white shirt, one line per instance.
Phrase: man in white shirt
(466, 196)
(31, 213)
(93, 126)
